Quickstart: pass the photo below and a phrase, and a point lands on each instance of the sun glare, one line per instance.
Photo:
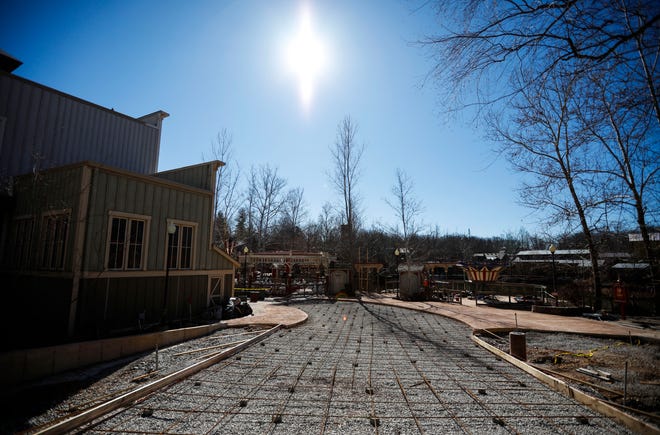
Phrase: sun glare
(306, 58)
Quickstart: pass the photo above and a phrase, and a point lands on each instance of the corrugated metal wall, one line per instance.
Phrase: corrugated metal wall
(48, 128)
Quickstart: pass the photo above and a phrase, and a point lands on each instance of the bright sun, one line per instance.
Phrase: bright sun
(306, 57)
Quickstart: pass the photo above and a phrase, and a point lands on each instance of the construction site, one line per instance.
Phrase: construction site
(132, 308)
(308, 364)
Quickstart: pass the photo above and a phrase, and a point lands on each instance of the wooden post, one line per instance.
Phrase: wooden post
(518, 345)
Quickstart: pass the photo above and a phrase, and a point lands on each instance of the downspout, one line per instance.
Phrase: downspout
(79, 245)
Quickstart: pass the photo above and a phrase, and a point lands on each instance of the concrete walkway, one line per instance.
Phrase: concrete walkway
(269, 313)
(476, 317)
(485, 317)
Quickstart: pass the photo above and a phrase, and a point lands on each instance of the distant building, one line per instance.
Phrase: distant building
(571, 257)
(637, 237)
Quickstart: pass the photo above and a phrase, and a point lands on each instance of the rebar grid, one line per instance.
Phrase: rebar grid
(356, 368)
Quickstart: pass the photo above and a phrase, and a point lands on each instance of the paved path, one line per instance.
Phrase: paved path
(485, 317)
(271, 313)
(360, 369)
(476, 317)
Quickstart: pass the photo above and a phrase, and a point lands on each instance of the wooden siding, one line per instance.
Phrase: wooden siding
(93, 298)
(111, 305)
(201, 176)
(46, 192)
(116, 191)
(113, 191)
(61, 129)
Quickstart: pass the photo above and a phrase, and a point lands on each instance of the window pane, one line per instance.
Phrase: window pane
(21, 248)
(60, 241)
(173, 249)
(117, 242)
(46, 240)
(54, 248)
(135, 245)
(186, 247)
(54, 232)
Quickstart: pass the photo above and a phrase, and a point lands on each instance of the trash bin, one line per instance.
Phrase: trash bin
(254, 296)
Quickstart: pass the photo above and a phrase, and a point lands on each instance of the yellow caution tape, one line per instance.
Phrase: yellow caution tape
(590, 353)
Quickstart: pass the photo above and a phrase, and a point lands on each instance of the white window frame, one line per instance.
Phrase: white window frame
(128, 217)
(174, 256)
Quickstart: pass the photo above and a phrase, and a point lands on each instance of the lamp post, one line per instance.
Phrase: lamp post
(552, 250)
(171, 229)
(245, 253)
(396, 254)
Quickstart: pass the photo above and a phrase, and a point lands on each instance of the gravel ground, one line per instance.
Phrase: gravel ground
(63, 395)
(564, 353)
(351, 368)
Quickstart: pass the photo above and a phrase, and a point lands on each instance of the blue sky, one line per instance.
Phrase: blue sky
(216, 65)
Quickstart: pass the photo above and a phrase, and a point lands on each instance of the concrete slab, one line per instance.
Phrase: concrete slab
(476, 317)
(485, 317)
(270, 313)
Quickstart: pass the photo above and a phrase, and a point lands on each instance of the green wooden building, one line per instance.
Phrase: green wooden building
(94, 251)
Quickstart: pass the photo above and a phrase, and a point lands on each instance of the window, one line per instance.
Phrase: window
(54, 230)
(180, 247)
(20, 248)
(126, 243)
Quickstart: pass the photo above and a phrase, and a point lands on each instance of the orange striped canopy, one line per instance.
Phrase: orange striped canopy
(484, 274)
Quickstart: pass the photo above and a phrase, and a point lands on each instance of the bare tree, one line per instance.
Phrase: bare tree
(242, 231)
(627, 137)
(293, 214)
(407, 208)
(328, 227)
(491, 39)
(605, 46)
(611, 46)
(346, 156)
(227, 197)
(547, 142)
(312, 237)
(626, 134)
(266, 199)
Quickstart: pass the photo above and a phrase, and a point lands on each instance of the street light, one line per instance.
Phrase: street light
(552, 250)
(398, 278)
(171, 229)
(245, 253)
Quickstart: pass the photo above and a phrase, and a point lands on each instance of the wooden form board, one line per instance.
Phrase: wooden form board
(78, 420)
(562, 387)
